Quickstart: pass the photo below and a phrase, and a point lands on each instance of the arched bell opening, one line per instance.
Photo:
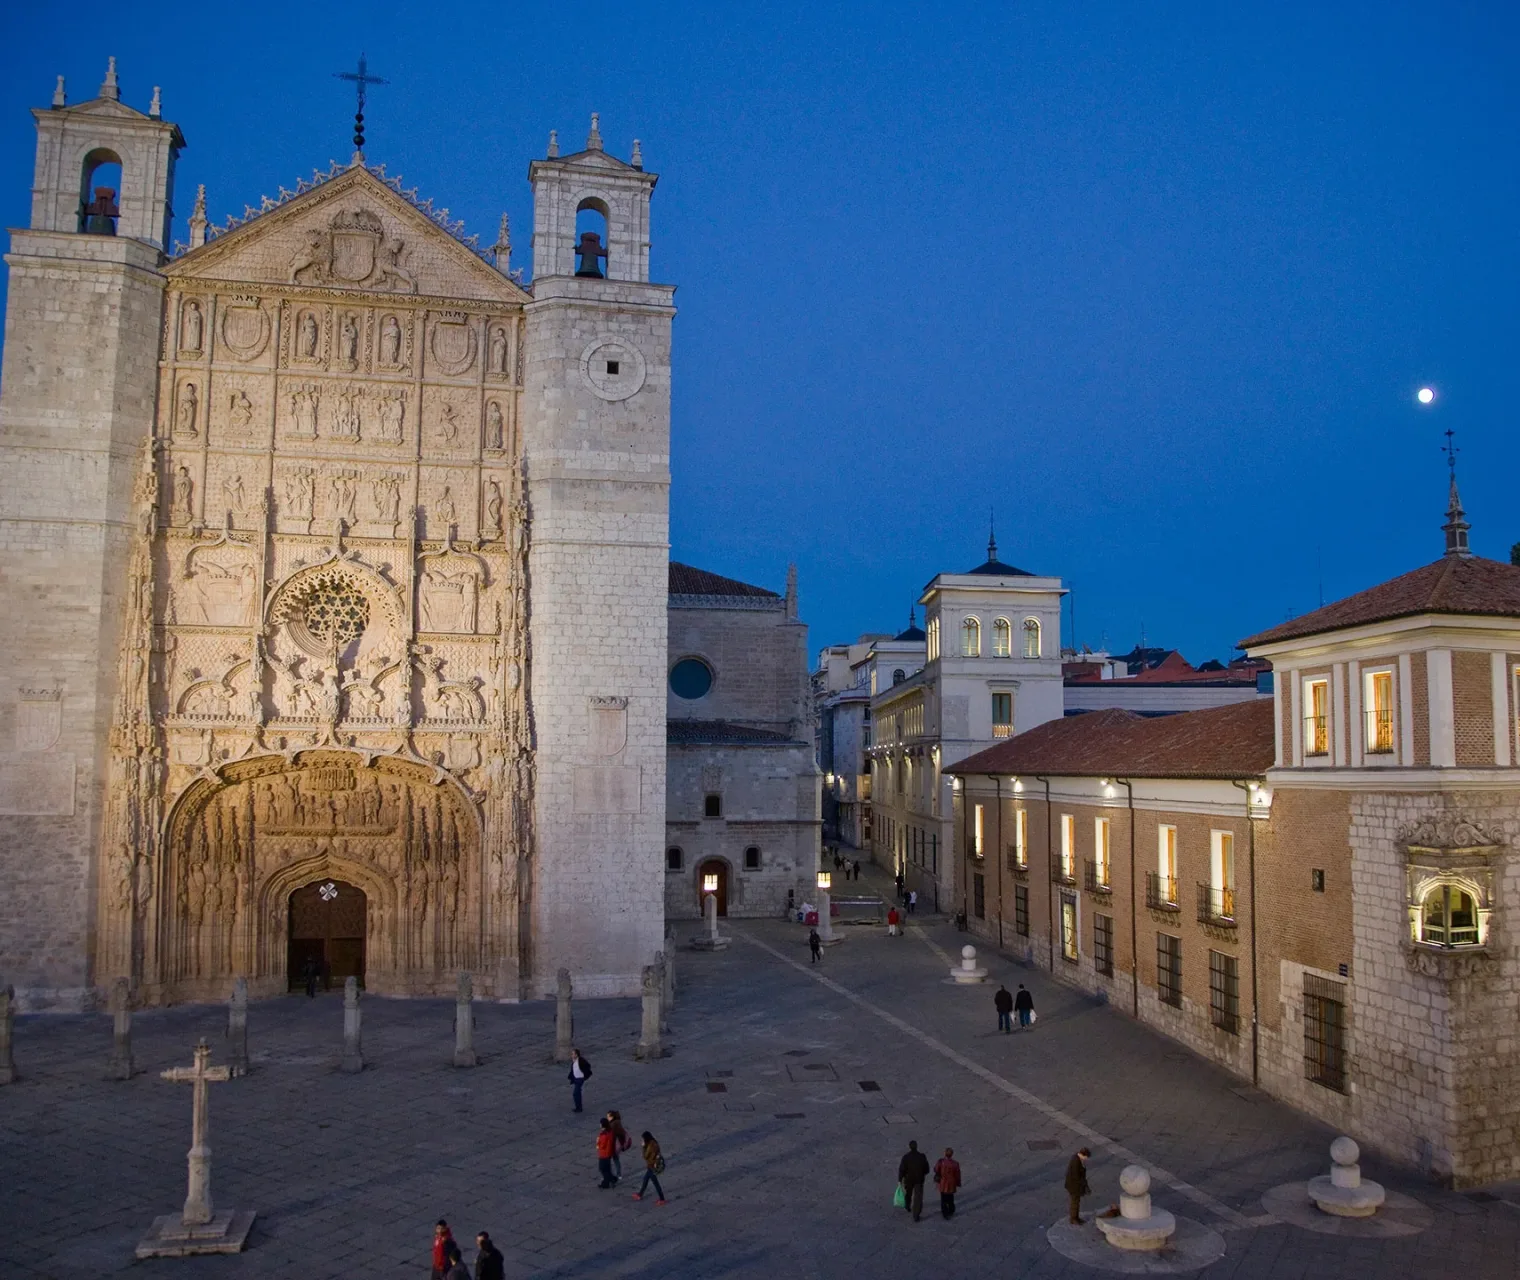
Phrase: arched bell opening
(591, 238)
(100, 176)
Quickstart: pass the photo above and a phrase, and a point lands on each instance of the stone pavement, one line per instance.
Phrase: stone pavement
(790, 1092)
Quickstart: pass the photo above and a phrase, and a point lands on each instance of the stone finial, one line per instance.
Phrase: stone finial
(501, 251)
(791, 591)
(594, 138)
(198, 218)
(1344, 1194)
(156, 107)
(637, 158)
(553, 143)
(109, 88)
(60, 99)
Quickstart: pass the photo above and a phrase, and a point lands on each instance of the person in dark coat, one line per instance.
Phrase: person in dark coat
(489, 1263)
(1003, 1003)
(947, 1176)
(1076, 1184)
(815, 945)
(580, 1072)
(456, 1270)
(912, 1170)
(1024, 1003)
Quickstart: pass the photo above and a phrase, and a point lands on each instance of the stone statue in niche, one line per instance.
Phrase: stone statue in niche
(191, 327)
(189, 410)
(300, 493)
(345, 493)
(306, 336)
(449, 424)
(350, 340)
(386, 494)
(449, 600)
(239, 410)
(303, 408)
(499, 352)
(232, 493)
(346, 419)
(493, 507)
(184, 495)
(494, 426)
(392, 410)
(448, 513)
(390, 341)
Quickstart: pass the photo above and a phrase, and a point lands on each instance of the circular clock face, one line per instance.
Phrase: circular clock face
(613, 368)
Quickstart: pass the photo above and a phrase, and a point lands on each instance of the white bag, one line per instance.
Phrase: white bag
(1032, 1017)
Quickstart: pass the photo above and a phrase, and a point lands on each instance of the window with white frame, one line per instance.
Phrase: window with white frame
(1377, 710)
(1166, 862)
(1222, 875)
(1002, 714)
(978, 828)
(1002, 638)
(1031, 637)
(1101, 832)
(1021, 836)
(1449, 916)
(971, 638)
(931, 647)
(1068, 844)
(1317, 716)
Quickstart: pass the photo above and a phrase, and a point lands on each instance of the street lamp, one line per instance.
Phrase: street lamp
(825, 879)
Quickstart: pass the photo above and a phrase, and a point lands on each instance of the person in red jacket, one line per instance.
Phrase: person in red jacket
(947, 1173)
(894, 922)
(606, 1144)
(442, 1239)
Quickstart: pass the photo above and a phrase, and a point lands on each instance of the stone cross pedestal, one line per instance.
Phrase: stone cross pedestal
(968, 971)
(353, 1051)
(1138, 1227)
(649, 1046)
(198, 1229)
(7, 1028)
(712, 940)
(1343, 1193)
(662, 972)
(564, 1021)
(464, 1024)
(237, 1027)
(120, 1067)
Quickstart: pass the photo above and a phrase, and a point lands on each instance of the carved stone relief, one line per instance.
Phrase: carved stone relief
(449, 592)
(391, 412)
(354, 250)
(216, 588)
(454, 344)
(245, 328)
(187, 413)
(191, 327)
(305, 401)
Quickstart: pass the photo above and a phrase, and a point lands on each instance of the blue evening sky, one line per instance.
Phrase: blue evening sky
(1156, 281)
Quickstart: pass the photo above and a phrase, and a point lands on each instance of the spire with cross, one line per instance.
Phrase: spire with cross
(1456, 526)
(361, 80)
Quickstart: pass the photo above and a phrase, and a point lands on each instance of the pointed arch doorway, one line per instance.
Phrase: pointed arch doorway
(327, 929)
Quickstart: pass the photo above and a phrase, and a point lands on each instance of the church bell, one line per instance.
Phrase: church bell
(101, 213)
(590, 250)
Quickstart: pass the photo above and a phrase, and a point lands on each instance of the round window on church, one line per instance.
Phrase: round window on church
(691, 678)
(336, 613)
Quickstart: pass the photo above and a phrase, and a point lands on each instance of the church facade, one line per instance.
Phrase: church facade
(335, 587)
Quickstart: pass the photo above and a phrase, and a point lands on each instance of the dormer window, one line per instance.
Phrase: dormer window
(1377, 699)
(1317, 717)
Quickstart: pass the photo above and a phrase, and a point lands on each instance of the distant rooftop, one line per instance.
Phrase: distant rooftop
(687, 581)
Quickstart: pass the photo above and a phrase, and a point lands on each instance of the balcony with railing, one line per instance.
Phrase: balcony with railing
(1095, 877)
(1379, 733)
(1316, 735)
(1216, 905)
(1017, 862)
(1161, 892)
(1062, 872)
(1002, 730)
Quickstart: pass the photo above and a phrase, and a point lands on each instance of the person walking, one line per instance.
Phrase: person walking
(857, 868)
(443, 1238)
(580, 1072)
(894, 923)
(899, 882)
(1003, 1003)
(489, 1263)
(454, 1268)
(1076, 1185)
(815, 945)
(947, 1176)
(912, 901)
(311, 971)
(912, 1169)
(1024, 1004)
(654, 1166)
(606, 1144)
(620, 1143)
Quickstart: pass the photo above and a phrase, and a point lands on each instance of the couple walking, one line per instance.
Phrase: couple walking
(913, 1171)
(1007, 1005)
(611, 1141)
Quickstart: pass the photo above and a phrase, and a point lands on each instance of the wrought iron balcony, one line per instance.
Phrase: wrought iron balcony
(1216, 905)
(1095, 878)
(1060, 873)
(1161, 892)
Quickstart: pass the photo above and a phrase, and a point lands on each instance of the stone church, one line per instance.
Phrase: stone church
(335, 582)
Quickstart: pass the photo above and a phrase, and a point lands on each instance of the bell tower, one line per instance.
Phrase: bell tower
(597, 446)
(77, 397)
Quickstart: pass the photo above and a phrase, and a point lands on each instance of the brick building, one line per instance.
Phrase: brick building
(1319, 892)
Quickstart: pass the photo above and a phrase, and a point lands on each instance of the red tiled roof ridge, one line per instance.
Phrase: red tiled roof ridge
(687, 580)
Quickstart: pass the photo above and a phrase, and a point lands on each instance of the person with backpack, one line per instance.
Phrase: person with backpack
(654, 1166)
(580, 1072)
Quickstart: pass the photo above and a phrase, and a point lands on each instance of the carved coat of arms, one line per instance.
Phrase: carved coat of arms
(356, 238)
(39, 719)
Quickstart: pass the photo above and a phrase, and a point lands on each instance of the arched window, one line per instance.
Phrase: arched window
(971, 638)
(1031, 637)
(1002, 638)
(899, 675)
(100, 192)
(591, 248)
(752, 858)
(674, 859)
(1449, 917)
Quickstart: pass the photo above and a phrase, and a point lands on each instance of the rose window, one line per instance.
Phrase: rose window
(329, 612)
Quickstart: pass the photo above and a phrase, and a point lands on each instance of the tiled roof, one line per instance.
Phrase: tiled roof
(687, 581)
(1453, 584)
(1221, 742)
(996, 567)
(911, 633)
(691, 733)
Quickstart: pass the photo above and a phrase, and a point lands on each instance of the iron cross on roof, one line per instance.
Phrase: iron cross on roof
(361, 79)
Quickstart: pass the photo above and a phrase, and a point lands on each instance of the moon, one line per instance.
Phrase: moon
(1425, 395)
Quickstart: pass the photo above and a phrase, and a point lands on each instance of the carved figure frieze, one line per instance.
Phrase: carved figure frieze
(346, 424)
(348, 341)
(1449, 831)
(390, 343)
(392, 411)
(307, 337)
(217, 586)
(304, 402)
(498, 363)
(449, 595)
(239, 410)
(184, 496)
(300, 493)
(345, 490)
(449, 700)
(234, 499)
(385, 496)
(492, 508)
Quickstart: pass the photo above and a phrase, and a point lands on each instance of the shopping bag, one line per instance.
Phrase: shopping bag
(900, 1197)
(1033, 1017)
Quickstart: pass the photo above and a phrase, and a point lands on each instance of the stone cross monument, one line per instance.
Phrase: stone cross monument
(464, 1024)
(649, 1046)
(564, 1021)
(353, 1053)
(121, 1031)
(237, 1027)
(198, 1229)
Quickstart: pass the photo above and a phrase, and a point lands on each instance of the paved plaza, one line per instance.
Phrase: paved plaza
(788, 1095)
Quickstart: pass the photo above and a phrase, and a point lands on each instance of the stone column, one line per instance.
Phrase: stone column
(710, 913)
(564, 1021)
(120, 1067)
(664, 982)
(825, 918)
(649, 1046)
(464, 1024)
(7, 1016)
(353, 1052)
(237, 1027)
(670, 975)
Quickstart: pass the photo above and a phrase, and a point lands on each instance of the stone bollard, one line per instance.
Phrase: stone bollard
(564, 1021)
(353, 1052)
(649, 1046)
(1138, 1228)
(120, 1067)
(7, 1027)
(968, 971)
(237, 1027)
(712, 940)
(1343, 1193)
(464, 1024)
(660, 969)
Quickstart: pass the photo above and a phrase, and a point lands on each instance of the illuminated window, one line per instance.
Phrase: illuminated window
(1316, 717)
(971, 638)
(1068, 844)
(1021, 836)
(1031, 637)
(1449, 917)
(1221, 886)
(1166, 862)
(1377, 699)
(978, 828)
(1002, 638)
(1100, 850)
